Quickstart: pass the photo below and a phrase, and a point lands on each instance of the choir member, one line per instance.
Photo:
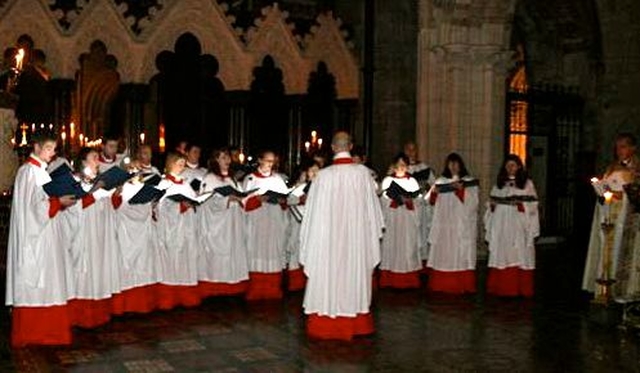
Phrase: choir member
(340, 247)
(109, 156)
(296, 202)
(142, 161)
(425, 176)
(181, 147)
(179, 247)
(400, 263)
(453, 237)
(621, 173)
(95, 252)
(511, 226)
(137, 239)
(223, 266)
(360, 157)
(39, 281)
(192, 170)
(265, 230)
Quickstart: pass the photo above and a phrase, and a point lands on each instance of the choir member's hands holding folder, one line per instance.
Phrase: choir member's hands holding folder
(399, 194)
(64, 184)
(111, 179)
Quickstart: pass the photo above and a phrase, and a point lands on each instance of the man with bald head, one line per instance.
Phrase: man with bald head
(340, 247)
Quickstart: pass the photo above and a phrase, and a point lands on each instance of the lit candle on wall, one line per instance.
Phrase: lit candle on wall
(63, 136)
(313, 136)
(19, 59)
(142, 136)
(241, 157)
(72, 130)
(307, 145)
(161, 143)
(50, 126)
(81, 138)
(320, 142)
(33, 127)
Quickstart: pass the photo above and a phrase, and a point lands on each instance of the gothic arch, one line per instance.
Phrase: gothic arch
(326, 43)
(29, 17)
(207, 21)
(107, 26)
(272, 36)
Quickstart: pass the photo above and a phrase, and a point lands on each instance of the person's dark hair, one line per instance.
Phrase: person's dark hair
(454, 157)
(358, 151)
(190, 146)
(628, 137)
(110, 137)
(43, 135)
(400, 157)
(82, 156)
(213, 165)
(264, 152)
(521, 175)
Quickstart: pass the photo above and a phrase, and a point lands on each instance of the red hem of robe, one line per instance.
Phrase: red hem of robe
(171, 296)
(40, 326)
(510, 282)
(90, 313)
(264, 286)
(454, 282)
(140, 299)
(340, 328)
(398, 280)
(213, 289)
(296, 279)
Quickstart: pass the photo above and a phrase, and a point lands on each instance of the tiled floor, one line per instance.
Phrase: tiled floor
(415, 333)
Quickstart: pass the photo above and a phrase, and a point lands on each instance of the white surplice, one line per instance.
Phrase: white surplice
(138, 241)
(177, 236)
(222, 235)
(340, 240)
(96, 255)
(510, 232)
(401, 242)
(266, 226)
(453, 234)
(38, 260)
(293, 226)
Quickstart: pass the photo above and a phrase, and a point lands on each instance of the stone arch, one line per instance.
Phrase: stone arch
(272, 36)
(28, 17)
(107, 24)
(207, 22)
(326, 43)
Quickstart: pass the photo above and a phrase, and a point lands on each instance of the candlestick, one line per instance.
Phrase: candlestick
(81, 139)
(319, 142)
(161, 141)
(72, 130)
(63, 136)
(307, 146)
(142, 136)
(241, 157)
(33, 127)
(314, 134)
(19, 59)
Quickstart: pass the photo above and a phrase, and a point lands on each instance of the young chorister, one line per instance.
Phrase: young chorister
(137, 238)
(296, 202)
(39, 281)
(511, 225)
(452, 256)
(95, 252)
(400, 263)
(223, 265)
(109, 156)
(179, 246)
(192, 170)
(265, 229)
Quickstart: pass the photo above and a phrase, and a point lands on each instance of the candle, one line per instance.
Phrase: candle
(313, 136)
(72, 130)
(241, 157)
(608, 196)
(320, 142)
(41, 125)
(307, 145)
(33, 127)
(19, 59)
(23, 141)
(594, 180)
(161, 142)
(63, 136)
(142, 136)
(50, 126)
(81, 139)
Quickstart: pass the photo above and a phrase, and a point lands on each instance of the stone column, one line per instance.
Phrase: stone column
(135, 95)
(8, 157)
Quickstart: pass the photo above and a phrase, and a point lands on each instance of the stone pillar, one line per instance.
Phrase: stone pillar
(8, 157)
(135, 96)
(462, 69)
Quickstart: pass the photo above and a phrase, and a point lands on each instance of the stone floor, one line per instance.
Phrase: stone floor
(416, 332)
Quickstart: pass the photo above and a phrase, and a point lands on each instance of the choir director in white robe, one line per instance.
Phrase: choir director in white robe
(340, 247)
